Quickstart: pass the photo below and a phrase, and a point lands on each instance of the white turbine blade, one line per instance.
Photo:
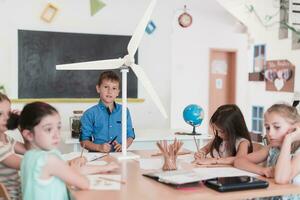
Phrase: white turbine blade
(148, 86)
(140, 29)
(93, 65)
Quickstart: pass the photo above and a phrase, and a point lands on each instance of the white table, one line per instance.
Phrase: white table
(146, 139)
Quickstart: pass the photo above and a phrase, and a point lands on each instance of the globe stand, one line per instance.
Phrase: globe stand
(192, 133)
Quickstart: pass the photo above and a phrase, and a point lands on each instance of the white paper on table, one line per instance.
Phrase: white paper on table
(89, 156)
(214, 172)
(97, 162)
(155, 163)
(97, 183)
(151, 163)
(188, 158)
(119, 155)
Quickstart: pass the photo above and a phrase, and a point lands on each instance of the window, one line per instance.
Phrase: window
(259, 58)
(257, 119)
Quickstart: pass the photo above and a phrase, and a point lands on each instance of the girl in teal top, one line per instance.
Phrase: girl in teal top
(44, 173)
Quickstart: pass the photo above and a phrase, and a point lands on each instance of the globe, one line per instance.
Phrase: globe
(193, 115)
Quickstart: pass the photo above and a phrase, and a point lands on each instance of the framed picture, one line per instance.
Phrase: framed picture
(49, 12)
(259, 58)
(279, 76)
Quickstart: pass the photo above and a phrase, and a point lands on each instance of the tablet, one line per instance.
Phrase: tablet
(226, 184)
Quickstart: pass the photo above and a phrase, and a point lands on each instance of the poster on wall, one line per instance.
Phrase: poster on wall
(284, 19)
(279, 76)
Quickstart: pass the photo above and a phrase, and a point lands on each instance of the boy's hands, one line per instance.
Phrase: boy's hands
(117, 146)
(105, 148)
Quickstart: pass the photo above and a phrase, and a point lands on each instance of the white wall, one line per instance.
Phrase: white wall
(190, 61)
(175, 59)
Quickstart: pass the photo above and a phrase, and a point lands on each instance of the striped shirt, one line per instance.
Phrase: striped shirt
(8, 176)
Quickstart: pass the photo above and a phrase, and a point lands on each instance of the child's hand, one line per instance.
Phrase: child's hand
(78, 162)
(206, 161)
(199, 155)
(110, 167)
(105, 148)
(294, 134)
(117, 146)
(268, 172)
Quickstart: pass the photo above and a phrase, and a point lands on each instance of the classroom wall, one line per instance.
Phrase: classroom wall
(275, 49)
(190, 59)
(175, 59)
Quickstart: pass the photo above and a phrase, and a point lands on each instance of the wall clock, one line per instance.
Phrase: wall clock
(185, 19)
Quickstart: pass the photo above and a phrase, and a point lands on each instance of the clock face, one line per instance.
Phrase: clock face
(185, 20)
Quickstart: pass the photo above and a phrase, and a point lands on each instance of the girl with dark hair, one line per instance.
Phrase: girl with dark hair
(231, 137)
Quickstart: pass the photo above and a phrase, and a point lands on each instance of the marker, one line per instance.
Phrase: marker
(113, 140)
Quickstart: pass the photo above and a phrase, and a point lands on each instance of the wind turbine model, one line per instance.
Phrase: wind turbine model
(124, 63)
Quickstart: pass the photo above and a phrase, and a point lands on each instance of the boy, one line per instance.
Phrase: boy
(101, 124)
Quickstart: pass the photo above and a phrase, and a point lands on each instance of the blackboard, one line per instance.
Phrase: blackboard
(40, 51)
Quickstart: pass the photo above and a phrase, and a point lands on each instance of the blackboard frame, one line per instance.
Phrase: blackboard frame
(40, 51)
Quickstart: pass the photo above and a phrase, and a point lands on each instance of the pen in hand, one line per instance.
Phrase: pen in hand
(112, 141)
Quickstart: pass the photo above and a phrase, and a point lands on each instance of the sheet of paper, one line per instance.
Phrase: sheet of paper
(102, 182)
(89, 156)
(151, 163)
(97, 162)
(188, 158)
(129, 155)
(213, 172)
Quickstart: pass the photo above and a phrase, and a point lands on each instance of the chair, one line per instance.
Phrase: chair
(3, 192)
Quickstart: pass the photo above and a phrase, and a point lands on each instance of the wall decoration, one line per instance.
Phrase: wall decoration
(49, 12)
(185, 19)
(285, 11)
(266, 20)
(279, 76)
(96, 5)
(295, 40)
(259, 58)
(284, 18)
(259, 62)
(150, 27)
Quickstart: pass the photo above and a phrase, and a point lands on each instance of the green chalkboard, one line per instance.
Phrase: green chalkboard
(40, 51)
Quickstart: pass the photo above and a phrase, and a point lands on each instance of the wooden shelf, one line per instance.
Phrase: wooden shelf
(256, 76)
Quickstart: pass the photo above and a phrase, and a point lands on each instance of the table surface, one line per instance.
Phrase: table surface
(138, 186)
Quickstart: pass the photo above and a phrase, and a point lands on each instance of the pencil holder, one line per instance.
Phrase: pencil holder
(169, 153)
(169, 164)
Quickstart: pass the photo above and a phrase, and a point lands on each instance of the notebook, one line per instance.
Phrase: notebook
(226, 184)
(177, 178)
